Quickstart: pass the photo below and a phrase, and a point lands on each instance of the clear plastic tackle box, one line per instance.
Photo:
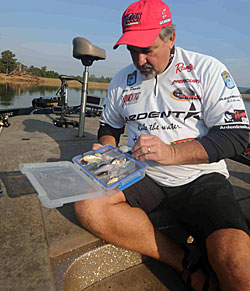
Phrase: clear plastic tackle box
(93, 174)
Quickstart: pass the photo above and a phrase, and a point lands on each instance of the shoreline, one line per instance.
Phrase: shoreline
(40, 81)
(72, 84)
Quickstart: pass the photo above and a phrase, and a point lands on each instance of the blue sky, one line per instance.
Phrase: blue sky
(40, 33)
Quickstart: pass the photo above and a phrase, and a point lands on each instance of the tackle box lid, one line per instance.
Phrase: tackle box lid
(58, 183)
(63, 182)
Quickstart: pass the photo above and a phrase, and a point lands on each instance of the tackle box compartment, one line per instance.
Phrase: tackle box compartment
(63, 182)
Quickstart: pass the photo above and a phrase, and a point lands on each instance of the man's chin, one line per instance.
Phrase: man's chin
(148, 75)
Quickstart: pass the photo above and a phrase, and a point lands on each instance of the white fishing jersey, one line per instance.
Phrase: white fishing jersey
(194, 94)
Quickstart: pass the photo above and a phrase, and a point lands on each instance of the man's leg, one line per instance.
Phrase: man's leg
(214, 217)
(115, 221)
(229, 255)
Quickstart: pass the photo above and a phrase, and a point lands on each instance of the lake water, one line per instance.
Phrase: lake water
(16, 96)
(20, 96)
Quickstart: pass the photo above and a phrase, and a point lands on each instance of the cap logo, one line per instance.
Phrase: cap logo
(165, 21)
(164, 16)
(164, 13)
(132, 18)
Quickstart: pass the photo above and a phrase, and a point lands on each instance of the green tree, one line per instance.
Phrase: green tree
(24, 68)
(51, 74)
(1, 67)
(92, 78)
(35, 71)
(43, 71)
(8, 61)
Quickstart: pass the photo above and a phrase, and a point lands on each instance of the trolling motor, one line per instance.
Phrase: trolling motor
(58, 103)
(87, 53)
(62, 108)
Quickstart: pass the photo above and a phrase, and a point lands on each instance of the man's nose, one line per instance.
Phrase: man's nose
(142, 59)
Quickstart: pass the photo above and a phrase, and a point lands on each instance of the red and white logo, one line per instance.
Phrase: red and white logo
(130, 98)
(132, 18)
(181, 67)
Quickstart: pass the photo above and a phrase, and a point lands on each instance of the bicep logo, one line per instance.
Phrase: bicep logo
(131, 79)
(228, 80)
(236, 116)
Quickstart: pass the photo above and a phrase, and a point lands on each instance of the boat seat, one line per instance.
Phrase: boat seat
(86, 51)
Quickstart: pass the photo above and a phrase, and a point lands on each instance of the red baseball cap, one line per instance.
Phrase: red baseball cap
(142, 22)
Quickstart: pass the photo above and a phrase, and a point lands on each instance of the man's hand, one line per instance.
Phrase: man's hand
(104, 140)
(151, 147)
(96, 146)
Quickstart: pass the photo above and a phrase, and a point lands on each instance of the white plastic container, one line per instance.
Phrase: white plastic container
(63, 182)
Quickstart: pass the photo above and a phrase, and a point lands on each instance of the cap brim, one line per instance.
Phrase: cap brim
(140, 38)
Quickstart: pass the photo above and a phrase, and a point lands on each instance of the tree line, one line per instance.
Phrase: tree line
(9, 64)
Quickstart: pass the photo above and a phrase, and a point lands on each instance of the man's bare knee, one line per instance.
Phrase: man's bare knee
(85, 209)
(223, 243)
(229, 254)
(92, 213)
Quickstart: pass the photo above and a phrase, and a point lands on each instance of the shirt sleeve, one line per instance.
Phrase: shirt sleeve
(111, 113)
(224, 115)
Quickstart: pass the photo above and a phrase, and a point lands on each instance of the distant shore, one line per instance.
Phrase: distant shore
(73, 84)
(33, 80)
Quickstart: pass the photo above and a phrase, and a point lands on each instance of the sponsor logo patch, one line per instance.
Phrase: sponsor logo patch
(130, 98)
(165, 21)
(156, 127)
(132, 19)
(131, 79)
(181, 67)
(227, 80)
(234, 126)
(182, 115)
(184, 94)
(235, 116)
(233, 98)
(185, 81)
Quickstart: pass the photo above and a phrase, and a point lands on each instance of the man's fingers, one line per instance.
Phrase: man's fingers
(96, 146)
(146, 137)
(144, 140)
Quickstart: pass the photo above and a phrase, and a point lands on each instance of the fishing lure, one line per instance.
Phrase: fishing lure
(103, 168)
(119, 161)
(91, 166)
(115, 162)
(102, 174)
(91, 158)
(112, 180)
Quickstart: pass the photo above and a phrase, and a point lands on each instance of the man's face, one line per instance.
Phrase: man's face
(152, 60)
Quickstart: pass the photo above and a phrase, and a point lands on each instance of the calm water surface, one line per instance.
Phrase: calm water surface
(20, 96)
(16, 96)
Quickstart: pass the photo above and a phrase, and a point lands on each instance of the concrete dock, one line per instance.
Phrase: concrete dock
(46, 249)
